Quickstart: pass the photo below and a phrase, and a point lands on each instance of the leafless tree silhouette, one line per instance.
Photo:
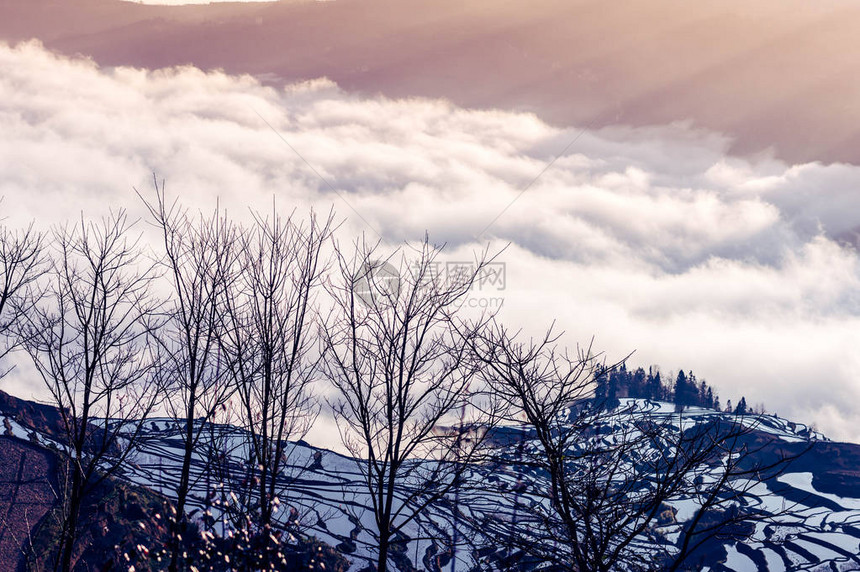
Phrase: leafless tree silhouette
(91, 340)
(270, 346)
(199, 258)
(614, 474)
(394, 350)
(22, 263)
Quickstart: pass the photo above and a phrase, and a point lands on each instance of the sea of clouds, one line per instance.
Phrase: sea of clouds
(646, 239)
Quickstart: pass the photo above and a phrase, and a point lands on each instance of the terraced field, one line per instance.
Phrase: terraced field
(324, 495)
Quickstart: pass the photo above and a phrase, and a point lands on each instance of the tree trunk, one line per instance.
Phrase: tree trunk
(382, 563)
(67, 546)
(181, 497)
(265, 500)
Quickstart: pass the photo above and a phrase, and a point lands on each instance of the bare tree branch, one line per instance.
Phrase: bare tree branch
(269, 342)
(612, 473)
(90, 338)
(200, 262)
(394, 350)
(22, 263)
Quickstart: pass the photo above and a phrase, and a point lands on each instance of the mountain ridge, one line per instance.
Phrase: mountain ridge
(325, 497)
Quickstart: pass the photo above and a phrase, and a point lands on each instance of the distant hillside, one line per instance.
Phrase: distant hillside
(327, 500)
(122, 524)
(118, 517)
(43, 419)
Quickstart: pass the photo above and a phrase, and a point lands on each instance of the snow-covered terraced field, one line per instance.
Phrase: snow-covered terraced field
(324, 492)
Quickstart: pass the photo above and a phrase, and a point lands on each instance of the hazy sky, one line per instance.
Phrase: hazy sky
(664, 239)
(187, 2)
(776, 75)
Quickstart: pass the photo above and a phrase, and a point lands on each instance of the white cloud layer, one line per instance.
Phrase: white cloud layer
(651, 240)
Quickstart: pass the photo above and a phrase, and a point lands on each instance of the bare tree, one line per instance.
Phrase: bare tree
(90, 338)
(613, 475)
(22, 263)
(199, 258)
(269, 344)
(394, 350)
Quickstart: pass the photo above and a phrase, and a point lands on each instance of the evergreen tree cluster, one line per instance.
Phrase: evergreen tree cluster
(684, 391)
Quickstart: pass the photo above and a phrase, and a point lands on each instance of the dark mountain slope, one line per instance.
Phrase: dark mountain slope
(115, 519)
(27, 494)
(324, 497)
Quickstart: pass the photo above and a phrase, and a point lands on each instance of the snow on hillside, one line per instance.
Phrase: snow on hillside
(326, 496)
